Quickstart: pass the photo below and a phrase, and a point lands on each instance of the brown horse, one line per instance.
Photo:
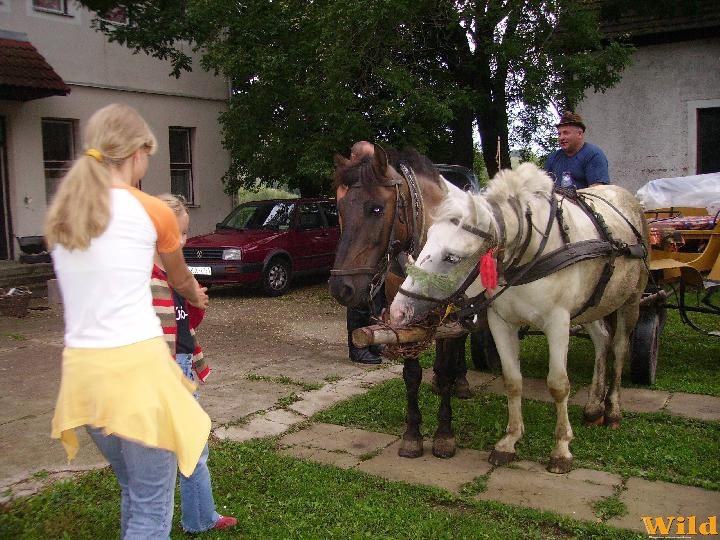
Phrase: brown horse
(385, 214)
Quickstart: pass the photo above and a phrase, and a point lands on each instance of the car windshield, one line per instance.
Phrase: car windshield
(256, 216)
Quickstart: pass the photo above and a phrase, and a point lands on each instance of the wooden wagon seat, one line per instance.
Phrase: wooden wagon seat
(704, 228)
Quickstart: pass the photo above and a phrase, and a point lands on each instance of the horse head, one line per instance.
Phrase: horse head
(368, 193)
(447, 267)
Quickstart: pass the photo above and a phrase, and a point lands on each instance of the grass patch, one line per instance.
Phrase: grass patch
(687, 360)
(652, 446)
(286, 381)
(609, 508)
(286, 401)
(280, 497)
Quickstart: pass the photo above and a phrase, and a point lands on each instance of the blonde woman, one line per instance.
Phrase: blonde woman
(118, 377)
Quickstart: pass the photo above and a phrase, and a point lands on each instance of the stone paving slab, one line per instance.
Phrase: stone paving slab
(357, 442)
(274, 423)
(645, 498)
(228, 402)
(316, 400)
(530, 485)
(632, 399)
(343, 460)
(450, 474)
(695, 406)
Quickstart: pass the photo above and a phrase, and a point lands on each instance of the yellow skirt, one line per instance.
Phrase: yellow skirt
(136, 392)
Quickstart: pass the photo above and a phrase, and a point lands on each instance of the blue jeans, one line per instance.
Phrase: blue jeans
(196, 499)
(147, 485)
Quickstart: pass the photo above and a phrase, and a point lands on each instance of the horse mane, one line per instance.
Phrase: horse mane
(523, 183)
(350, 173)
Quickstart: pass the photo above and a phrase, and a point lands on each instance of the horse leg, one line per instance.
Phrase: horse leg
(462, 387)
(508, 348)
(624, 321)
(594, 411)
(558, 336)
(412, 442)
(445, 363)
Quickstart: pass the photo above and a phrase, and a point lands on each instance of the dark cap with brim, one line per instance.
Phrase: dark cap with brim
(571, 119)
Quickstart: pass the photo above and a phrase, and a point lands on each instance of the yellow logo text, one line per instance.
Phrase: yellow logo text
(679, 526)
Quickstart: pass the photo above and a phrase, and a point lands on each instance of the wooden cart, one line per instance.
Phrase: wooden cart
(684, 254)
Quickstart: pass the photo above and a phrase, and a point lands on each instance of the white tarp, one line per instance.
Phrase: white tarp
(700, 190)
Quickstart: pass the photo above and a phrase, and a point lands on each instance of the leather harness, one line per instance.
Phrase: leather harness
(543, 264)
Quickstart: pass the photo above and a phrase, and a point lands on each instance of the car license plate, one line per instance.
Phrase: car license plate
(200, 270)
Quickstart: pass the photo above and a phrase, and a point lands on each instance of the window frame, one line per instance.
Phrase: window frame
(692, 130)
(104, 16)
(63, 166)
(62, 11)
(187, 166)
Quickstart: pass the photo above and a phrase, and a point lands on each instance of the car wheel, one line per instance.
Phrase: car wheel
(276, 277)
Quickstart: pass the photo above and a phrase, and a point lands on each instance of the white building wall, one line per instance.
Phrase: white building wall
(100, 73)
(646, 124)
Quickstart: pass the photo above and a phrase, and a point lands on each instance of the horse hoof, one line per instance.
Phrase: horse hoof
(560, 465)
(499, 458)
(593, 419)
(411, 448)
(444, 448)
(462, 389)
(613, 422)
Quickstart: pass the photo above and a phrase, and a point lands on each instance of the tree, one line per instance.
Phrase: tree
(310, 78)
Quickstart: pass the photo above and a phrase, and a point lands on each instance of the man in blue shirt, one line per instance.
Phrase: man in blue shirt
(577, 162)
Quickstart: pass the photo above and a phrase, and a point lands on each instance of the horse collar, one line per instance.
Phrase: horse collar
(418, 237)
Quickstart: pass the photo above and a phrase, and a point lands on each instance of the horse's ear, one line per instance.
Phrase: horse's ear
(340, 161)
(380, 163)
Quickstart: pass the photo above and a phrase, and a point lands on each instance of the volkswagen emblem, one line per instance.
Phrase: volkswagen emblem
(199, 254)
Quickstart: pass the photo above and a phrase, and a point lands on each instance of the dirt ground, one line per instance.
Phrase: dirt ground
(261, 349)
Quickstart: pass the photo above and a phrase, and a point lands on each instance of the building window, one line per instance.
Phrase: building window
(181, 175)
(51, 6)
(58, 138)
(116, 15)
(708, 140)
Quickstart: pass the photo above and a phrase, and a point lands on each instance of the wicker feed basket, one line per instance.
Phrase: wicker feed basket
(14, 302)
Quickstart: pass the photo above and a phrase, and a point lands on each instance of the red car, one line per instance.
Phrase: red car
(267, 242)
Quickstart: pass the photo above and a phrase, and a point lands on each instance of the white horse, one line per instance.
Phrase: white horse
(562, 259)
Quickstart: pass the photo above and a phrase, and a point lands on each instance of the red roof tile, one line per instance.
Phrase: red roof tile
(24, 73)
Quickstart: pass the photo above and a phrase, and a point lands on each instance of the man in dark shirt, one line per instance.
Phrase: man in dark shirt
(576, 163)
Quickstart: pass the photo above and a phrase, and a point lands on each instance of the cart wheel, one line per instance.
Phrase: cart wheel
(644, 344)
(482, 349)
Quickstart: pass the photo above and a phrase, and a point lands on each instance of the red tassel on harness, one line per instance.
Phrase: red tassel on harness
(488, 270)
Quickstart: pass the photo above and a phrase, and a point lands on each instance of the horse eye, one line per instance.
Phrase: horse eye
(451, 258)
(376, 210)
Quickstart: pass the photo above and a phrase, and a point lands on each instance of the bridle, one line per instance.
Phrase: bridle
(495, 239)
(412, 217)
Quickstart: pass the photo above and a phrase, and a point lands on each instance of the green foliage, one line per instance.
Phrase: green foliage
(279, 497)
(260, 193)
(310, 78)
